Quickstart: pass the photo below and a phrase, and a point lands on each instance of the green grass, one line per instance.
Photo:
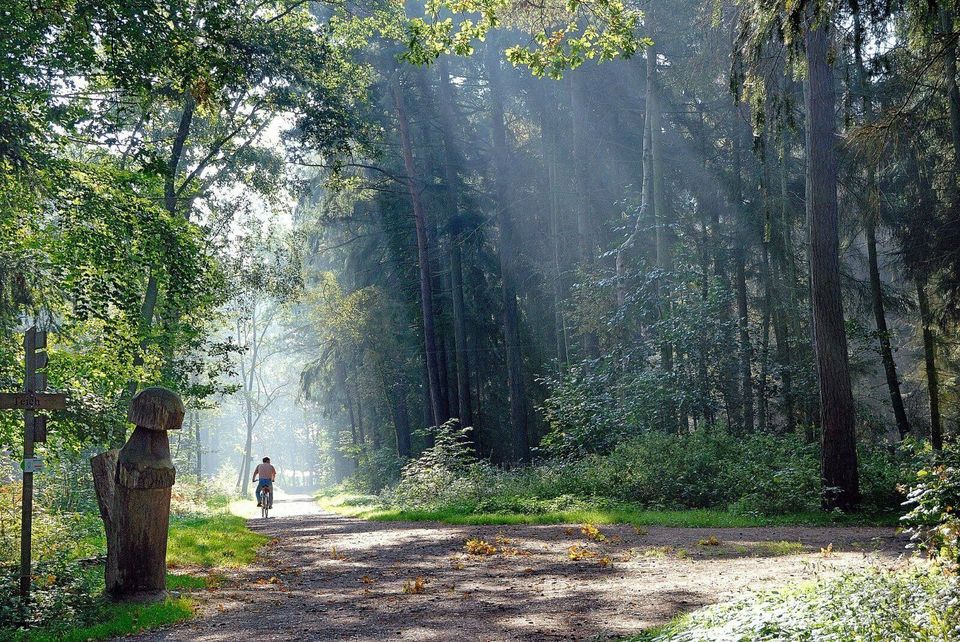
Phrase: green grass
(210, 542)
(112, 620)
(185, 583)
(368, 507)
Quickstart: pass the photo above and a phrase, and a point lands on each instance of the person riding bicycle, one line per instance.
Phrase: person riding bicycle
(267, 474)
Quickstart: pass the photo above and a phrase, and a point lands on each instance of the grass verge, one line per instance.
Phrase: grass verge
(369, 507)
(215, 541)
(196, 548)
(112, 620)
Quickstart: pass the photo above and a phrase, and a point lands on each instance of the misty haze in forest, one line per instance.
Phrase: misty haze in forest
(560, 263)
(657, 263)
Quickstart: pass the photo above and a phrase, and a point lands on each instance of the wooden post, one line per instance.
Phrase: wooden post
(34, 430)
(30, 341)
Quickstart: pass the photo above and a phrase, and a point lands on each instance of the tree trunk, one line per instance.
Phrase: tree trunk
(152, 291)
(423, 256)
(443, 369)
(549, 149)
(176, 154)
(950, 80)
(196, 437)
(451, 165)
(145, 476)
(762, 401)
(249, 376)
(133, 487)
(646, 194)
(464, 402)
(870, 216)
(786, 321)
(746, 349)
(401, 419)
(740, 273)
(354, 440)
(511, 312)
(104, 468)
(839, 452)
(663, 243)
(586, 242)
(930, 359)
(883, 334)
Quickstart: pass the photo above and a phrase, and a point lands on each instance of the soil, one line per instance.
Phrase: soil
(327, 577)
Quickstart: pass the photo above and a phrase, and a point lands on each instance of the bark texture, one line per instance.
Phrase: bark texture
(839, 453)
(133, 488)
(930, 359)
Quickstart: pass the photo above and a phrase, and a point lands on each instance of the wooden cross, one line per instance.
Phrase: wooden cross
(34, 430)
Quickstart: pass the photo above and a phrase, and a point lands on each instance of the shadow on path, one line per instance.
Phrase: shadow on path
(326, 577)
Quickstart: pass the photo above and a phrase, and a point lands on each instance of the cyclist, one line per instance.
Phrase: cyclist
(267, 474)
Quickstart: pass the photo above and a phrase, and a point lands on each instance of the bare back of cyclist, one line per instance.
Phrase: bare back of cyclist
(265, 473)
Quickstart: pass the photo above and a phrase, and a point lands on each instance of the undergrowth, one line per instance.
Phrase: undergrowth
(67, 592)
(867, 606)
(705, 478)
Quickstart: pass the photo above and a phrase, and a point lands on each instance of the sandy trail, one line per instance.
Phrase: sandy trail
(326, 577)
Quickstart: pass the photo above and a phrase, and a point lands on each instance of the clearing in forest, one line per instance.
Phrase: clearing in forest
(327, 577)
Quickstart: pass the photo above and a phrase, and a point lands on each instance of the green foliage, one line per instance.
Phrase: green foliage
(753, 475)
(565, 35)
(62, 591)
(377, 469)
(869, 606)
(57, 535)
(445, 472)
(597, 403)
(934, 517)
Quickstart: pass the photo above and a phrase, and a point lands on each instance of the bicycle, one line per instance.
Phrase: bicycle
(266, 501)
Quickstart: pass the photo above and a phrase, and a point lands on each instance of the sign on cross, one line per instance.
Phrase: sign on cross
(34, 430)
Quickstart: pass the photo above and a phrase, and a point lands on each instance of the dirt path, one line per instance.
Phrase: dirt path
(326, 577)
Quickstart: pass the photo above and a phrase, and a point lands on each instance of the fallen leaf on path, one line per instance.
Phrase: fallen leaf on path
(476, 546)
(592, 532)
(577, 553)
(415, 586)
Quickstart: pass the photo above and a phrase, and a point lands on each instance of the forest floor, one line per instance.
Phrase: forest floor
(328, 577)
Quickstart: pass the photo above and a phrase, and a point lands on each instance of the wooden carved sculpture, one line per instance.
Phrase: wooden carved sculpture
(133, 487)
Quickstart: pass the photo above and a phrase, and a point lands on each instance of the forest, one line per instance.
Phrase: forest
(634, 284)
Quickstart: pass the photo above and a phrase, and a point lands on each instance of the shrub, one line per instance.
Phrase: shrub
(934, 518)
(443, 473)
(756, 474)
(378, 469)
(869, 606)
(190, 498)
(56, 535)
(62, 591)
